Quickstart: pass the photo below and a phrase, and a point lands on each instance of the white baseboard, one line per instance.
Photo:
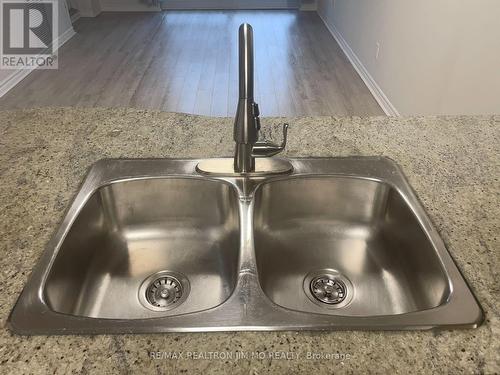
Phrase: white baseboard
(17, 76)
(65, 36)
(372, 85)
(12, 80)
(75, 17)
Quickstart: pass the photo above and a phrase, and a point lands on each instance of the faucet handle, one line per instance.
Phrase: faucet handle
(266, 149)
(256, 114)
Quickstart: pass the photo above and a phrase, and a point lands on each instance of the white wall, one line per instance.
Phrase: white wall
(9, 78)
(435, 57)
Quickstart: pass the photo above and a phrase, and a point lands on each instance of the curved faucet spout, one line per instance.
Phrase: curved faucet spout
(246, 61)
(247, 121)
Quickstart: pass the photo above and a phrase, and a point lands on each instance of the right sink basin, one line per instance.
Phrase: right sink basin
(344, 246)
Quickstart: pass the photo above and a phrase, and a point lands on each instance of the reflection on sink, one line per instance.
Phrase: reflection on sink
(130, 230)
(361, 228)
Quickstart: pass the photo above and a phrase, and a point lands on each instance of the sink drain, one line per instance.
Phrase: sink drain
(164, 290)
(328, 288)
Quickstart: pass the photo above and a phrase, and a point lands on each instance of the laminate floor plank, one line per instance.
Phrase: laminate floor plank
(187, 61)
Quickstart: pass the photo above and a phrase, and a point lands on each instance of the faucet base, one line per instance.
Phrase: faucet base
(225, 167)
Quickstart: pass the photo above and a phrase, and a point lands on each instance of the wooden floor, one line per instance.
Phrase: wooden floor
(186, 61)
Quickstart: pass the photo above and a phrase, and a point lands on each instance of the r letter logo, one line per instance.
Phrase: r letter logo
(29, 34)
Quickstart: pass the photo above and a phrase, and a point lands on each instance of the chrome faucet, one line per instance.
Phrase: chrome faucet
(251, 156)
(247, 121)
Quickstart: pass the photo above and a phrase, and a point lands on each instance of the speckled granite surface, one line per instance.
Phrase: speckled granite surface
(452, 162)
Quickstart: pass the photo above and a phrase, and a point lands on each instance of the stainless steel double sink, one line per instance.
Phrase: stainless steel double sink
(155, 246)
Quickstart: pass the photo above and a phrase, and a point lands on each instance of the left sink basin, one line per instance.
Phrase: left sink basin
(147, 248)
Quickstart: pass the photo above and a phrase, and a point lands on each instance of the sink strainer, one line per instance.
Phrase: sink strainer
(328, 288)
(164, 290)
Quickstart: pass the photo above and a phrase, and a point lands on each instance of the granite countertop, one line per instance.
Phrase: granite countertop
(452, 162)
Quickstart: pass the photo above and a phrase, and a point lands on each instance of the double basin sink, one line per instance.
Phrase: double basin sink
(156, 246)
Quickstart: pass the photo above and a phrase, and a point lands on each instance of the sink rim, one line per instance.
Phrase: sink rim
(243, 309)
